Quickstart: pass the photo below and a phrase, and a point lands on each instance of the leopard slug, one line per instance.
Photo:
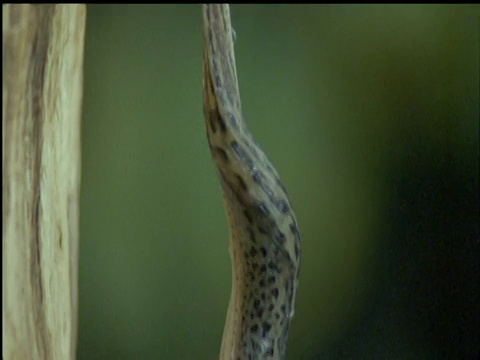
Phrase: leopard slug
(264, 233)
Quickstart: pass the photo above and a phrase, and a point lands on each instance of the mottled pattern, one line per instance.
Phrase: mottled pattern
(265, 239)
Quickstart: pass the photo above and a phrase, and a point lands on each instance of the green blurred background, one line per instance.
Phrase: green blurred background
(370, 114)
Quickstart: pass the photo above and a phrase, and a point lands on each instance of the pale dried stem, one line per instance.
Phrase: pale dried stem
(42, 95)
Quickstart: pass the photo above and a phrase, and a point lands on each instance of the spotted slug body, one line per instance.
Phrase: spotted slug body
(265, 238)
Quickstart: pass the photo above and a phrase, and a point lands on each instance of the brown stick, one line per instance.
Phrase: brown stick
(42, 93)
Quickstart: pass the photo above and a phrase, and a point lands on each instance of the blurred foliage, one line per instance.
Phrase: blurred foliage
(371, 115)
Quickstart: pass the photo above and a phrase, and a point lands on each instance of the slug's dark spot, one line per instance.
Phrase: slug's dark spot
(221, 123)
(247, 216)
(280, 238)
(254, 328)
(283, 206)
(238, 196)
(270, 307)
(271, 280)
(271, 265)
(262, 230)
(216, 73)
(280, 204)
(277, 315)
(275, 293)
(294, 229)
(266, 328)
(221, 152)
(263, 251)
(217, 77)
(253, 251)
(241, 182)
(269, 352)
(212, 124)
(256, 304)
(238, 149)
(263, 268)
(261, 283)
(263, 208)
(256, 176)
